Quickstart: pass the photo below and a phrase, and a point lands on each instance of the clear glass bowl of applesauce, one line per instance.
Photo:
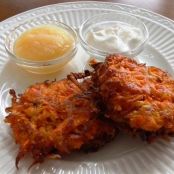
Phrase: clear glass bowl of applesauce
(41, 46)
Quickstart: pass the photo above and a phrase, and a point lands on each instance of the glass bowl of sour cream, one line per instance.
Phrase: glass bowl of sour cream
(113, 33)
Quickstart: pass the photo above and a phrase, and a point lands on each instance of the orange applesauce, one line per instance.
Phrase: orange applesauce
(42, 43)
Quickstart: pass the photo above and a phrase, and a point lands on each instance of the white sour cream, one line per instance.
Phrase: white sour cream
(115, 38)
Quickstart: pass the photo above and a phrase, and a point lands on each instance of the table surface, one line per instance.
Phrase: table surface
(9, 8)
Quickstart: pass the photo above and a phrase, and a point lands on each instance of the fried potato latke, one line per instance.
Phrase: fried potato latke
(52, 119)
(137, 97)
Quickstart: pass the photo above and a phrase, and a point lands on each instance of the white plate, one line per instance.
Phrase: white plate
(123, 156)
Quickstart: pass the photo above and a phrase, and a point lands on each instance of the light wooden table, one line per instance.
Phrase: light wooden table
(9, 8)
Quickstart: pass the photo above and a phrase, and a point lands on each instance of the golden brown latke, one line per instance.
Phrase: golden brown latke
(137, 97)
(56, 118)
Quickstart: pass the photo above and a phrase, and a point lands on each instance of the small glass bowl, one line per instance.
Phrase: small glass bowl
(40, 67)
(108, 19)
